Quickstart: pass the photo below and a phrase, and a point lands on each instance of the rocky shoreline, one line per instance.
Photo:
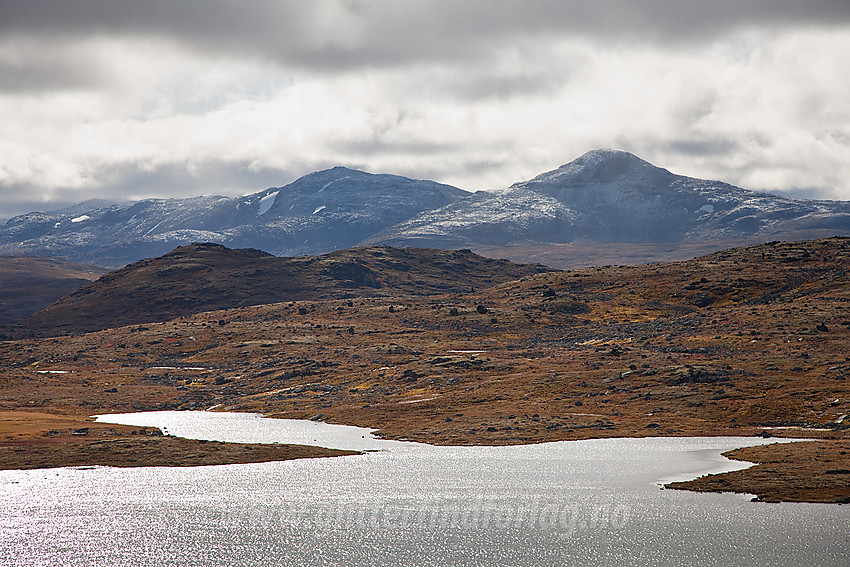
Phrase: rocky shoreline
(806, 471)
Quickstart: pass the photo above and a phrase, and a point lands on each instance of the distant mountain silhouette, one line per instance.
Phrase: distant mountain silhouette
(320, 212)
(29, 284)
(604, 196)
(614, 196)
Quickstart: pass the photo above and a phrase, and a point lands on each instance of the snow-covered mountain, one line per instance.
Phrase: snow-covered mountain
(489, 218)
(320, 212)
(614, 196)
(604, 196)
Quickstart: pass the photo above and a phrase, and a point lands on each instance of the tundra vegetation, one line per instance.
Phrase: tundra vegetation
(748, 341)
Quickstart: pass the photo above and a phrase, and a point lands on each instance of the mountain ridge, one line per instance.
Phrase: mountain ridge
(602, 197)
(206, 277)
(614, 196)
(323, 211)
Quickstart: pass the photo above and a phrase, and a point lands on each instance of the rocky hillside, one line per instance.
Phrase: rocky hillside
(748, 341)
(206, 277)
(320, 212)
(565, 216)
(612, 196)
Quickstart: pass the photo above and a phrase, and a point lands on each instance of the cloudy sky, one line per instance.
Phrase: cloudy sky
(162, 98)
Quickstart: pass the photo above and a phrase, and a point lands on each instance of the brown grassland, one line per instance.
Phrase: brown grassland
(742, 342)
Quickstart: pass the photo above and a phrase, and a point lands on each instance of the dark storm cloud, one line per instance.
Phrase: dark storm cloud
(47, 69)
(341, 33)
(506, 84)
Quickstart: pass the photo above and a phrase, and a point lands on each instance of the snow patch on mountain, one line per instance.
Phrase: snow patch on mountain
(326, 185)
(190, 235)
(267, 202)
(153, 228)
(494, 217)
(603, 196)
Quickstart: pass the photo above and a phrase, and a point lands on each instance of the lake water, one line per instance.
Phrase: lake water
(592, 502)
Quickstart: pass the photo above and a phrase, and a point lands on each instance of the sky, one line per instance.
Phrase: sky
(128, 100)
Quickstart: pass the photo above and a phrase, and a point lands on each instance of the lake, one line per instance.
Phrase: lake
(595, 502)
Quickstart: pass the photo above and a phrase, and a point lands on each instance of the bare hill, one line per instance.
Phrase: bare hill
(29, 284)
(205, 277)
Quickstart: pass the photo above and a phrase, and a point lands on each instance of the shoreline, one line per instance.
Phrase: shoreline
(785, 471)
(804, 471)
(39, 441)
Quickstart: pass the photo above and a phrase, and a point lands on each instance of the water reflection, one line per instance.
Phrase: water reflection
(572, 503)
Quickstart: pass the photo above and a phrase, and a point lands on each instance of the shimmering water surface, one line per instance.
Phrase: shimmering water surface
(571, 503)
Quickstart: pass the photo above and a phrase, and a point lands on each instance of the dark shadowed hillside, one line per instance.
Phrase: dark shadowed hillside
(29, 284)
(205, 277)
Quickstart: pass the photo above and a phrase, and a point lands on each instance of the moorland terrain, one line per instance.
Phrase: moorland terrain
(747, 341)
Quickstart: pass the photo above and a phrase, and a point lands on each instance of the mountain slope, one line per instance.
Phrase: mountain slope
(613, 196)
(604, 197)
(498, 218)
(30, 284)
(206, 277)
(323, 211)
(333, 209)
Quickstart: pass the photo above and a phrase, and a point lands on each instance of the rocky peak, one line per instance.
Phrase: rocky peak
(601, 167)
(209, 248)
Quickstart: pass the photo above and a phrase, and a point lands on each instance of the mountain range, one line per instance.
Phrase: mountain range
(602, 197)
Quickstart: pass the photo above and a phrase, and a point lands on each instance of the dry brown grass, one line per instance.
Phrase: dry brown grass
(728, 344)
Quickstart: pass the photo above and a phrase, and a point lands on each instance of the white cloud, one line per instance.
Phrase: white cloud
(141, 111)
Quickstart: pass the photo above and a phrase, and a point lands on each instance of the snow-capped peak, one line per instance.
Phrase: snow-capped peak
(601, 166)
